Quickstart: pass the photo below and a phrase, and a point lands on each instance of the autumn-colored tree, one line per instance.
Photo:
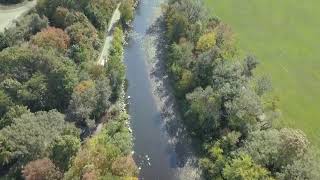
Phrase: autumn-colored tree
(42, 169)
(124, 166)
(206, 42)
(52, 37)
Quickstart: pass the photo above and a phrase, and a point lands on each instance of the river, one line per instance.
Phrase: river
(162, 148)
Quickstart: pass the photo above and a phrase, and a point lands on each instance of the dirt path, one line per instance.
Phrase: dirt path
(107, 43)
(105, 51)
(10, 13)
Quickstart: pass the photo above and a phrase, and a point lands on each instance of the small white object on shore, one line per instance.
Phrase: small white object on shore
(130, 130)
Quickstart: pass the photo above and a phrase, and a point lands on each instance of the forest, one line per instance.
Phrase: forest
(225, 105)
(54, 94)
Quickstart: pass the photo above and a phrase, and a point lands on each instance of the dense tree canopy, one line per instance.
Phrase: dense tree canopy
(49, 67)
(224, 104)
(37, 78)
(105, 154)
(30, 135)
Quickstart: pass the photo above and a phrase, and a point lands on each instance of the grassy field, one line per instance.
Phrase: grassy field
(284, 35)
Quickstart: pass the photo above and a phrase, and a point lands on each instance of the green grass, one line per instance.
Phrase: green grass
(285, 36)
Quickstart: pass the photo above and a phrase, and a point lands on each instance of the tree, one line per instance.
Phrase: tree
(176, 25)
(5, 103)
(52, 38)
(244, 111)
(14, 112)
(23, 30)
(206, 42)
(83, 102)
(179, 59)
(203, 67)
(84, 42)
(185, 19)
(276, 149)
(127, 11)
(37, 78)
(41, 169)
(99, 12)
(243, 168)
(306, 167)
(124, 166)
(249, 64)
(29, 136)
(104, 92)
(204, 111)
(63, 149)
(263, 85)
(115, 68)
(225, 40)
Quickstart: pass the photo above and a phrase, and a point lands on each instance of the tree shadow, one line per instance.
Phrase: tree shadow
(182, 145)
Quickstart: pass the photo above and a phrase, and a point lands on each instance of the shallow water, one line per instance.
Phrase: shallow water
(158, 151)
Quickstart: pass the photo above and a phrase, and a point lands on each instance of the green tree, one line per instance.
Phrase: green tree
(38, 78)
(30, 135)
(23, 30)
(83, 103)
(115, 68)
(276, 148)
(5, 103)
(14, 112)
(127, 11)
(243, 168)
(204, 111)
(63, 149)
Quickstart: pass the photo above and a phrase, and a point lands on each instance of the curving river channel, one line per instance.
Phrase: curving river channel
(162, 150)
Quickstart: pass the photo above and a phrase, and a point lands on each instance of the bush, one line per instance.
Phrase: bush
(42, 169)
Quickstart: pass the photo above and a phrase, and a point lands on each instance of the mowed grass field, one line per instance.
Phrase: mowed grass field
(285, 36)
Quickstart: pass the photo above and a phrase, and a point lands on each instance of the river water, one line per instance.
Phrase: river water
(161, 147)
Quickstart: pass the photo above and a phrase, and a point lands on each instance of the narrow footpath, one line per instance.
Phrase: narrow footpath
(103, 58)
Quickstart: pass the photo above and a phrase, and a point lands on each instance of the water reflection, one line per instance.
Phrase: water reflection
(162, 146)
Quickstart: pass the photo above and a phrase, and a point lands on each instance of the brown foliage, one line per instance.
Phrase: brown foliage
(124, 166)
(41, 169)
(83, 86)
(52, 37)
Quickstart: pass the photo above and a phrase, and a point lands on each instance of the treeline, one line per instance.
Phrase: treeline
(53, 94)
(226, 106)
